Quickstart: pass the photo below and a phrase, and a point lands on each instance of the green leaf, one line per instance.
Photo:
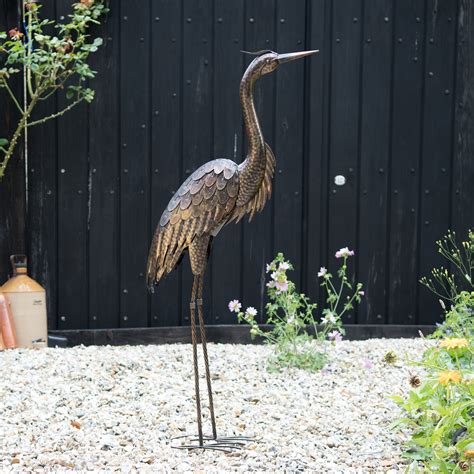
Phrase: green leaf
(3, 142)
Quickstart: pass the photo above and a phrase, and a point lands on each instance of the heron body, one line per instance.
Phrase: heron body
(217, 193)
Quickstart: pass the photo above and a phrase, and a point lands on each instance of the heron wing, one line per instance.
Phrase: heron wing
(202, 204)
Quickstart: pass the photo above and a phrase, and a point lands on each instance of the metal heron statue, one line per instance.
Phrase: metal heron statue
(214, 195)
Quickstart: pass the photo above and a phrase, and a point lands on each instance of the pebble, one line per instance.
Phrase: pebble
(131, 400)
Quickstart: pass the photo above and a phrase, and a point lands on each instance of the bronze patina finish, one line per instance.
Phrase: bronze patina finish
(216, 194)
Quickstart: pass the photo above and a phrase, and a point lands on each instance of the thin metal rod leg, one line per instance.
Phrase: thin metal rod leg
(206, 358)
(195, 359)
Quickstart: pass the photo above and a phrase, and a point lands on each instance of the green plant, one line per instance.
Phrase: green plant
(291, 313)
(52, 62)
(440, 410)
(448, 284)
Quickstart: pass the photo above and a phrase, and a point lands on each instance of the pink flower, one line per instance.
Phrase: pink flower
(234, 306)
(335, 336)
(367, 364)
(322, 272)
(345, 252)
(361, 293)
(281, 285)
(283, 266)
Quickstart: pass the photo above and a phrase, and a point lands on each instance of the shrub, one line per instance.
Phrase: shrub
(440, 409)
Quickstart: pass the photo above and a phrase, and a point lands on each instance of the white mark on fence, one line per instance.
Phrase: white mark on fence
(89, 199)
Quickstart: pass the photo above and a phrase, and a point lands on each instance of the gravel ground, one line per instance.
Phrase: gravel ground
(116, 408)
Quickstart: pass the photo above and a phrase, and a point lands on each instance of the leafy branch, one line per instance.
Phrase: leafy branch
(51, 61)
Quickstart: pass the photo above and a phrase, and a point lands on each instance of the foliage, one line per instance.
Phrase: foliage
(440, 409)
(448, 284)
(291, 313)
(52, 62)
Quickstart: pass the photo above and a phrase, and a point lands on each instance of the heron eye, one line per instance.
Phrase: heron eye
(268, 61)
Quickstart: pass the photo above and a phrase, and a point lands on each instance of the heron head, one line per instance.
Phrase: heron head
(267, 61)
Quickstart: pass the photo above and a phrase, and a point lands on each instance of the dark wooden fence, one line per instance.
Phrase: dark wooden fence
(387, 104)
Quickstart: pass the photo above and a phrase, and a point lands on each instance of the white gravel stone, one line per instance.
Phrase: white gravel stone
(115, 409)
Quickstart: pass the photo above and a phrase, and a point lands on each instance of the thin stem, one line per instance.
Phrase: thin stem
(12, 95)
(21, 126)
(57, 114)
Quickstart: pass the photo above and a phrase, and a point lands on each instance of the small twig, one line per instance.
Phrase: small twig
(12, 95)
(57, 114)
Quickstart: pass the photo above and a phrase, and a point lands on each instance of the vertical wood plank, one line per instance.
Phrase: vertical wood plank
(197, 120)
(435, 186)
(72, 172)
(12, 185)
(344, 129)
(463, 163)
(166, 139)
(257, 247)
(407, 119)
(43, 199)
(103, 180)
(135, 160)
(289, 126)
(374, 158)
(227, 138)
(316, 167)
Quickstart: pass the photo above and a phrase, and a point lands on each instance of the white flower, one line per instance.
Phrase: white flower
(329, 318)
(283, 266)
(234, 306)
(291, 320)
(269, 268)
(251, 311)
(322, 271)
(344, 252)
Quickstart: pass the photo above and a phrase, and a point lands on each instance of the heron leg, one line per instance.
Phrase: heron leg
(206, 358)
(195, 358)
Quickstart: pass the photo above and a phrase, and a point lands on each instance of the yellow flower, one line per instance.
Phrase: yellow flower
(469, 453)
(454, 343)
(449, 376)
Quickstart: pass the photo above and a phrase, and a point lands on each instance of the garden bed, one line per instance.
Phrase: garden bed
(116, 408)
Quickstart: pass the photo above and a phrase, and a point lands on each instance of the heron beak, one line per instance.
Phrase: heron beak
(284, 58)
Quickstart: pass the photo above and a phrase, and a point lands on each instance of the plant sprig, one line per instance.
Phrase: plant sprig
(291, 313)
(57, 61)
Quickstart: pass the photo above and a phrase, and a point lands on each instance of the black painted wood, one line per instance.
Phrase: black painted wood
(344, 130)
(227, 140)
(166, 139)
(72, 192)
(196, 86)
(260, 33)
(223, 334)
(135, 112)
(405, 160)
(12, 186)
(167, 101)
(437, 139)
(374, 151)
(42, 220)
(463, 137)
(103, 182)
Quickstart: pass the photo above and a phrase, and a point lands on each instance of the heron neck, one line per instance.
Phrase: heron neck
(252, 126)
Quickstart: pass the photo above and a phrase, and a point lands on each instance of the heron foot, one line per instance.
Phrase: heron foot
(227, 444)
